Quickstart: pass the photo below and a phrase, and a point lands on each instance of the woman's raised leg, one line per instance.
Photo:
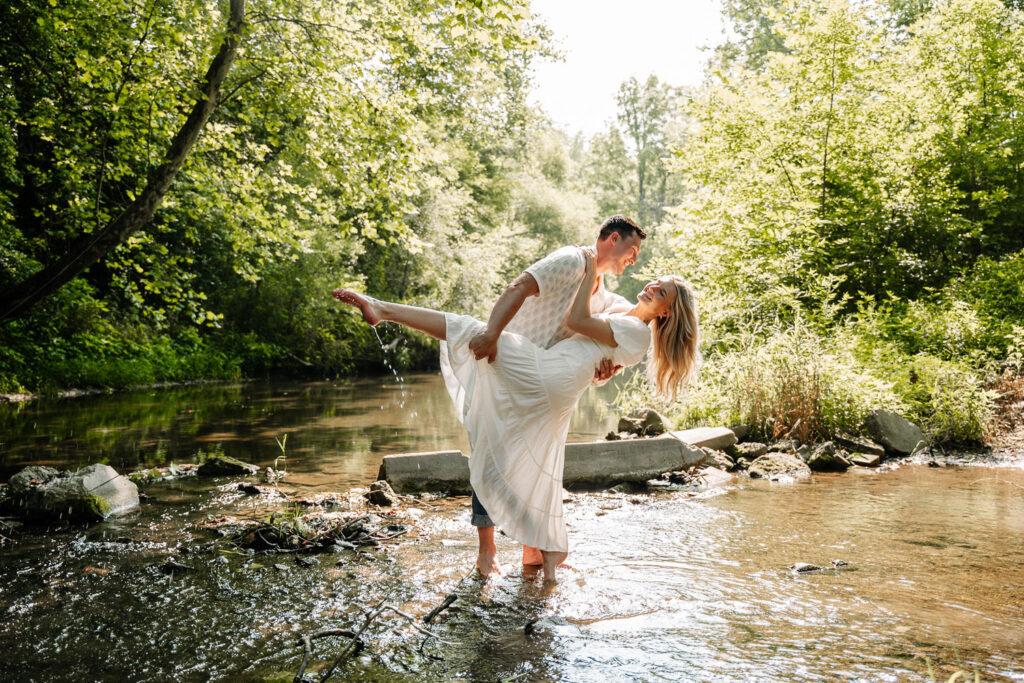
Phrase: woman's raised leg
(423, 319)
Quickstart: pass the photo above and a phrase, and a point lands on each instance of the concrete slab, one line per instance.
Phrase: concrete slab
(434, 471)
(600, 463)
(591, 464)
(718, 438)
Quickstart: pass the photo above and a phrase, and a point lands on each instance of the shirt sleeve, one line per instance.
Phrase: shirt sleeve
(632, 337)
(610, 303)
(560, 269)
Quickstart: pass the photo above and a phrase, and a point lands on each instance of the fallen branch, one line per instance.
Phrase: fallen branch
(366, 624)
(307, 645)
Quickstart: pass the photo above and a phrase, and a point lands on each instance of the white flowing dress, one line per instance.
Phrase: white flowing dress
(517, 413)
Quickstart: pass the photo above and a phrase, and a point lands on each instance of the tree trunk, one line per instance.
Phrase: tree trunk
(17, 301)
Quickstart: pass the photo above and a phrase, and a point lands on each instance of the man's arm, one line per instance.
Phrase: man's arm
(508, 304)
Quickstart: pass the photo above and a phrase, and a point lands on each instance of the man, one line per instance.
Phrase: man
(535, 306)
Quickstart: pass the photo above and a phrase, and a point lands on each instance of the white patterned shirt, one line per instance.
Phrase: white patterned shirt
(541, 318)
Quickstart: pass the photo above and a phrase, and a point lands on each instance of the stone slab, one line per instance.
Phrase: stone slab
(718, 438)
(589, 464)
(433, 471)
(600, 463)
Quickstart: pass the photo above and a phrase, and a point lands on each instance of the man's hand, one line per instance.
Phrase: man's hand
(484, 345)
(605, 370)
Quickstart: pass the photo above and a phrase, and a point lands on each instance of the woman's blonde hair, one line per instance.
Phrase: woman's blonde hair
(675, 344)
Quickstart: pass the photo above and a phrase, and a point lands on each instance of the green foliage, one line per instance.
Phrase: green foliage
(851, 216)
(340, 125)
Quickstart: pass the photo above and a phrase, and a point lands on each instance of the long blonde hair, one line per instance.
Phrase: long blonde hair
(675, 344)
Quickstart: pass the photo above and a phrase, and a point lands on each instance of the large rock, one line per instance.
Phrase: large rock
(774, 465)
(91, 494)
(644, 422)
(827, 457)
(897, 435)
(718, 438)
(223, 465)
(856, 444)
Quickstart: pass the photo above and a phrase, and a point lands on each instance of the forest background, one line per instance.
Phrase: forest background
(845, 192)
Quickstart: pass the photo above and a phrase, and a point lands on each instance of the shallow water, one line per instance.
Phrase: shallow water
(678, 585)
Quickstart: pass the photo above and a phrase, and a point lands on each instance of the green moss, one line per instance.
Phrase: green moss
(95, 506)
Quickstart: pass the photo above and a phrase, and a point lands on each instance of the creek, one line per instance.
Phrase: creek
(671, 585)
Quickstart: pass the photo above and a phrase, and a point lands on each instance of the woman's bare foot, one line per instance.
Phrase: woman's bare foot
(486, 563)
(551, 561)
(366, 305)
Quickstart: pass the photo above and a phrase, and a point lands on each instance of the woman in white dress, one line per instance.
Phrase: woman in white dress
(517, 409)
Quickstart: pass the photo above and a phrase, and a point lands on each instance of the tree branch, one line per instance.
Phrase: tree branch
(88, 249)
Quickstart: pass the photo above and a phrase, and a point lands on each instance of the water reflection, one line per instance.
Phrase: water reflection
(337, 431)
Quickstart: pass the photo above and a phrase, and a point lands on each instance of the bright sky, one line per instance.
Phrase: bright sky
(607, 41)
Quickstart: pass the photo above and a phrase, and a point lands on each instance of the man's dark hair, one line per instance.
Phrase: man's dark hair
(624, 225)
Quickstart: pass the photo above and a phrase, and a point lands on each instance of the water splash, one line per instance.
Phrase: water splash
(385, 349)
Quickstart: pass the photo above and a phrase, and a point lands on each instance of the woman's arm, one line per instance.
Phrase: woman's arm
(579, 318)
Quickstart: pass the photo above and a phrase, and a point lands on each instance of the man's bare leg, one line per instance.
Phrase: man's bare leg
(486, 562)
(551, 561)
(423, 319)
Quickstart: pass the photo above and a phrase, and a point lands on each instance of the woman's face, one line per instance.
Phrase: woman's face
(658, 296)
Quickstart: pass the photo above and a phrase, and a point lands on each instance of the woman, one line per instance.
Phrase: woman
(517, 409)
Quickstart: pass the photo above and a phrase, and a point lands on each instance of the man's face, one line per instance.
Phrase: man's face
(623, 251)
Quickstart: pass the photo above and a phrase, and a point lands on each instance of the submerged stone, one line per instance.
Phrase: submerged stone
(223, 465)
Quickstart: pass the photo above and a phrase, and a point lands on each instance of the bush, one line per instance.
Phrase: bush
(795, 380)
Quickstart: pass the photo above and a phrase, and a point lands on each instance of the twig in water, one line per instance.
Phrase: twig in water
(440, 608)
(307, 646)
(380, 609)
(995, 479)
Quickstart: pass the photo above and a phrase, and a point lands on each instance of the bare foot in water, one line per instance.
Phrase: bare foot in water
(487, 564)
(366, 305)
(551, 561)
(532, 558)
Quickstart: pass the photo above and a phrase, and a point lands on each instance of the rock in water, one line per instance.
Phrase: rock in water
(750, 450)
(91, 494)
(382, 494)
(896, 434)
(828, 458)
(774, 465)
(855, 444)
(865, 460)
(803, 567)
(222, 465)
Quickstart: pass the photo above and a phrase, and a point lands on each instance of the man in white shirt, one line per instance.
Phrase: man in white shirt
(534, 306)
